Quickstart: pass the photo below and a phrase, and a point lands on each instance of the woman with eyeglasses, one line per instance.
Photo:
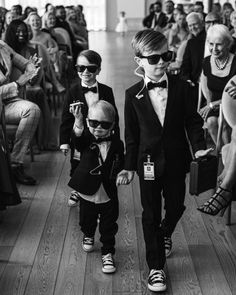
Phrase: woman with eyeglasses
(218, 68)
(86, 91)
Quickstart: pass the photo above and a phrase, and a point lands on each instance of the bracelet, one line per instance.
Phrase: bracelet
(211, 106)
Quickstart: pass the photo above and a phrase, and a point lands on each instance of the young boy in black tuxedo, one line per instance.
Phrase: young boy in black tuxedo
(102, 156)
(158, 113)
(86, 90)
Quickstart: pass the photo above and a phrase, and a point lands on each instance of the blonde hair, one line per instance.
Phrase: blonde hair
(106, 107)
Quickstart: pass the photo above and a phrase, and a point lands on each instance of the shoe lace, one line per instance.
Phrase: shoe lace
(157, 275)
(107, 258)
(88, 241)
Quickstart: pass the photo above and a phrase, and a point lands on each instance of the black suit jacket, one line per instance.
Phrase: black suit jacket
(87, 182)
(75, 93)
(191, 67)
(168, 145)
(161, 21)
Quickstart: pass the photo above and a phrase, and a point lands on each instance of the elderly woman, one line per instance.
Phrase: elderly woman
(218, 68)
(227, 180)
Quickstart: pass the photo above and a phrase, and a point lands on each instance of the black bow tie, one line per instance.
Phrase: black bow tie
(102, 139)
(151, 85)
(86, 89)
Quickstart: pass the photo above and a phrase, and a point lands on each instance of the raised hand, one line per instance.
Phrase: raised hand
(27, 76)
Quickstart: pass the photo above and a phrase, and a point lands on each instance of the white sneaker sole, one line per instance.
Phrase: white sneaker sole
(88, 250)
(105, 270)
(157, 289)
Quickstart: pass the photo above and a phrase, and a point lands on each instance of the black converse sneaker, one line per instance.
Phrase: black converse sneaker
(88, 243)
(168, 246)
(157, 280)
(108, 264)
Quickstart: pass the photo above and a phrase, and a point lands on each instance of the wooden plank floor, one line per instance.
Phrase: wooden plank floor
(40, 239)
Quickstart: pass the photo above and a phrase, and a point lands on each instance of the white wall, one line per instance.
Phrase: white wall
(135, 11)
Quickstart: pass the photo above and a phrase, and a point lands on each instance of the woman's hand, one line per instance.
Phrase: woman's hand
(27, 76)
(204, 112)
(231, 89)
(202, 153)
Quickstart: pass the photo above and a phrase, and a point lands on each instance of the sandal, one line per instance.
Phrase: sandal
(73, 199)
(218, 202)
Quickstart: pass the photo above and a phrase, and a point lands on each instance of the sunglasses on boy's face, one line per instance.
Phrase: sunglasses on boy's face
(104, 124)
(81, 69)
(154, 59)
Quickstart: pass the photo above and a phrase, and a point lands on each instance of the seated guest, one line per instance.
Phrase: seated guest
(191, 67)
(72, 20)
(45, 39)
(218, 68)
(179, 32)
(49, 8)
(226, 12)
(157, 19)
(227, 180)
(17, 37)
(199, 7)
(62, 23)
(18, 111)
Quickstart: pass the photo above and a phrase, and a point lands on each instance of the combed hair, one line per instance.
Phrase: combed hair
(147, 40)
(196, 15)
(106, 107)
(220, 30)
(92, 56)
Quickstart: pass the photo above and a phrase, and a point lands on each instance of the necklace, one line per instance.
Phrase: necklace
(221, 66)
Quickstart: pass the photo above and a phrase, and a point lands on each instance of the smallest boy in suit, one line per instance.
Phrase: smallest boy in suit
(102, 156)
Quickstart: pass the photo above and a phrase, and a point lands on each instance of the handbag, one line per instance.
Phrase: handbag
(203, 174)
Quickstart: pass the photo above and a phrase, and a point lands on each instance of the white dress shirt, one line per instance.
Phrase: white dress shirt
(90, 96)
(158, 97)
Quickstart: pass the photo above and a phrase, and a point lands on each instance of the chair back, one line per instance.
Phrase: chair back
(63, 38)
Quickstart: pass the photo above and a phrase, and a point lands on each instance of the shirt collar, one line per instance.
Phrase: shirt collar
(94, 85)
(163, 78)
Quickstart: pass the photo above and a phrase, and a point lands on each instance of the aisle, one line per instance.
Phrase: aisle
(40, 239)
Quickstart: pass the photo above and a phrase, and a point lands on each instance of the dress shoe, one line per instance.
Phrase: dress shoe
(21, 177)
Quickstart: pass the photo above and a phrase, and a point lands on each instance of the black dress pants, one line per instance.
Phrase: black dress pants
(172, 189)
(108, 214)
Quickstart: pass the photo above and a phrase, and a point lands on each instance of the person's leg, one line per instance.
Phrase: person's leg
(174, 195)
(222, 198)
(212, 127)
(26, 115)
(88, 217)
(151, 219)
(108, 226)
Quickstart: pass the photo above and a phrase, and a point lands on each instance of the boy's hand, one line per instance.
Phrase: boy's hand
(124, 177)
(202, 153)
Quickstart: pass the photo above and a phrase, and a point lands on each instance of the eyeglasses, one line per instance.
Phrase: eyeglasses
(104, 124)
(213, 22)
(81, 69)
(154, 59)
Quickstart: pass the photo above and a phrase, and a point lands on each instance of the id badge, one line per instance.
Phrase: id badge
(148, 170)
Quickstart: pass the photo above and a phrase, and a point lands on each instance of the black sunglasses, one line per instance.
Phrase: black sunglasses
(154, 59)
(81, 69)
(104, 124)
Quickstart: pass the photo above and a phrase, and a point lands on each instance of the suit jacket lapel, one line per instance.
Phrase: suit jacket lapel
(170, 99)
